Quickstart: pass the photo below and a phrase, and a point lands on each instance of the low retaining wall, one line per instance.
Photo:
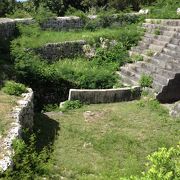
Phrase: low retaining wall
(7, 28)
(175, 111)
(22, 118)
(96, 96)
(63, 23)
(67, 49)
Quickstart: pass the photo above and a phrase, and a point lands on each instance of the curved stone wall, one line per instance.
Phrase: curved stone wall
(95, 96)
(22, 116)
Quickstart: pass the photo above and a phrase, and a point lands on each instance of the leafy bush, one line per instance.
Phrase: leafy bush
(18, 13)
(28, 162)
(146, 81)
(13, 88)
(70, 105)
(116, 53)
(86, 74)
(165, 164)
(130, 35)
(92, 24)
(50, 108)
(43, 14)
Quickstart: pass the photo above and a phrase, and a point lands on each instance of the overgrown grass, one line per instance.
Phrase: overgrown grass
(32, 36)
(164, 9)
(110, 141)
(7, 102)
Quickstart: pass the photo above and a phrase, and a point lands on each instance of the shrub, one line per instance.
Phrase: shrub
(92, 24)
(19, 13)
(43, 14)
(112, 53)
(50, 108)
(70, 105)
(146, 81)
(13, 88)
(28, 162)
(86, 74)
(165, 164)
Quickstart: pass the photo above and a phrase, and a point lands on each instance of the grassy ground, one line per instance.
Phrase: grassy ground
(6, 104)
(34, 37)
(109, 141)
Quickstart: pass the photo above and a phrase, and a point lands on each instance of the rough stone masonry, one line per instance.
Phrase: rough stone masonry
(22, 116)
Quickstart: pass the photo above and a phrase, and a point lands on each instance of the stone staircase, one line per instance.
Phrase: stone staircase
(160, 50)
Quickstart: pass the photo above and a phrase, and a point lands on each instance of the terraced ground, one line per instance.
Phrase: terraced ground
(106, 141)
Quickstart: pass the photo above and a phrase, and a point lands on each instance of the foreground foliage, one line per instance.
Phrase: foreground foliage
(13, 88)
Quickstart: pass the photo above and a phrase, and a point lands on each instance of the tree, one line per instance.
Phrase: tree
(6, 6)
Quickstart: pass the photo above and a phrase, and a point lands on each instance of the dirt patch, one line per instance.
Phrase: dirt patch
(93, 116)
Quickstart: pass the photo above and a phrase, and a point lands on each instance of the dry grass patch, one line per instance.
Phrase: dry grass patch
(7, 102)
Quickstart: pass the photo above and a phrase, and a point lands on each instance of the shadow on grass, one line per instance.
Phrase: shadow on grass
(46, 130)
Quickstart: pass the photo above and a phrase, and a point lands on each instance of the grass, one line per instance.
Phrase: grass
(7, 102)
(109, 141)
(33, 37)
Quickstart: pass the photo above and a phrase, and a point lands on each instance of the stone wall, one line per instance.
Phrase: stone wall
(175, 111)
(22, 116)
(63, 23)
(96, 96)
(7, 28)
(67, 49)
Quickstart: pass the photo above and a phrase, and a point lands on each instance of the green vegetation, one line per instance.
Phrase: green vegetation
(137, 57)
(58, 77)
(70, 105)
(165, 9)
(164, 164)
(13, 88)
(32, 36)
(106, 141)
(146, 81)
(28, 161)
(157, 32)
(89, 142)
(150, 53)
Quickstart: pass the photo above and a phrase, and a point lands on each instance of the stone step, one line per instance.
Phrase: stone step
(155, 48)
(166, 22)
(170, 65)
(127, 80)
(157, 86)
(155, 69)
(173, 47)
(171, 52)
(175, 41)
(156, 76)
(128, 71)
(168, 58)
(143, 44)
(159, 42)
(135, 71)
(161, 27)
